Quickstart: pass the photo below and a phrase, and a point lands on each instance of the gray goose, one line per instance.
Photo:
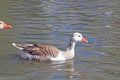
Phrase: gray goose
(45, 52)
(4, 25)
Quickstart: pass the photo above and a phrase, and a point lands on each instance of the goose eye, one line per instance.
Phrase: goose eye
(79, 36)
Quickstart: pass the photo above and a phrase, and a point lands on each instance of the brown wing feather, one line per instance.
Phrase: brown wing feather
(42, 50)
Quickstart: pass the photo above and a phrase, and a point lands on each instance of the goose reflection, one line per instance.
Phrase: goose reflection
(67, 70)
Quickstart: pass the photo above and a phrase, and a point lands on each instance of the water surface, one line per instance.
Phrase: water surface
(53, 22)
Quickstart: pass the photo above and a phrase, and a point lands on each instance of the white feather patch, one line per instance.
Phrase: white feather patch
(1, 26)
(20, 48)
(58, 58)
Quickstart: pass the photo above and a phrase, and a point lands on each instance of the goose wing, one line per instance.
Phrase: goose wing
(42, 50)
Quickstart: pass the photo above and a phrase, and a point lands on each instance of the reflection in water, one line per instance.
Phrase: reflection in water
(53, 70)
(53, 67)
(67, 67)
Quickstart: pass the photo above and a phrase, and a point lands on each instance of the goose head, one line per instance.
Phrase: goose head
(4, 25)
(78, 37)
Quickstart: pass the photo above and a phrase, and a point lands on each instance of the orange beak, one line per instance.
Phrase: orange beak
(6, 26)
(84, 40)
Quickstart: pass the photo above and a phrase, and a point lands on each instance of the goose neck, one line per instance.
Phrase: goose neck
(71, 45)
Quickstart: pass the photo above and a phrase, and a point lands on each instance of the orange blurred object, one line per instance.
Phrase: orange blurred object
(4, 25)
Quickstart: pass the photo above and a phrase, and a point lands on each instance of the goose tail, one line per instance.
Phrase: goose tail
(18, 46)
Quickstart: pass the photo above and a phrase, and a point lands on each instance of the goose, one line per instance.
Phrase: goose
(43, 52)
(3, 25)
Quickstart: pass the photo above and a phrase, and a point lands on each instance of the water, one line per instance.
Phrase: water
(52, 22)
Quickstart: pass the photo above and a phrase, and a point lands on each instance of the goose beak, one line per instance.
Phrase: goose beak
(6, 26)
(84, 40)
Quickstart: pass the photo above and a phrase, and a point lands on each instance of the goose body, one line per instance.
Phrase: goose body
(4, 25)
(45, 52)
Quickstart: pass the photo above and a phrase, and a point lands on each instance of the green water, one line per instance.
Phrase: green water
(52, 22)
